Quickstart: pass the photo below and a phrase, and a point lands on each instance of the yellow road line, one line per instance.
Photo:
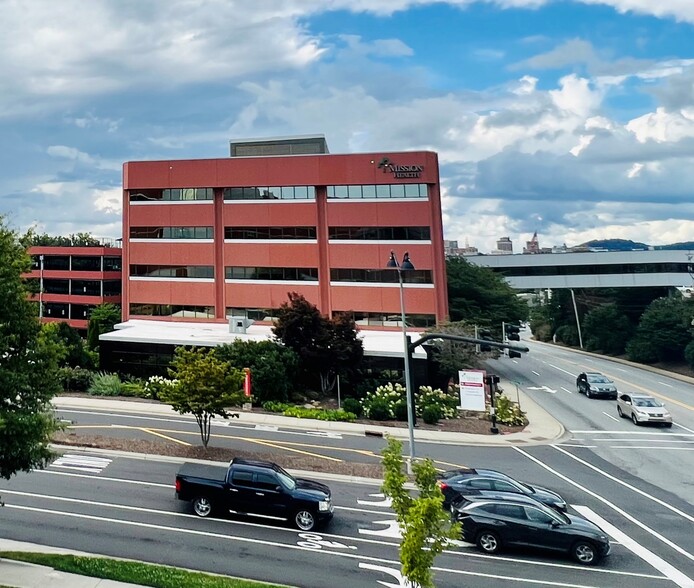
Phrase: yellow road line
(269, 444)
(165, 436)
(454, 465)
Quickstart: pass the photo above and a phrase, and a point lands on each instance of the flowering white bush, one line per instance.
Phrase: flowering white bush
(380, 404)
(446, 402)
(155, 384)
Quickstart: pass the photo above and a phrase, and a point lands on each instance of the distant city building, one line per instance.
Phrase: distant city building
(504, 245)
(533, 246)
(451, 249)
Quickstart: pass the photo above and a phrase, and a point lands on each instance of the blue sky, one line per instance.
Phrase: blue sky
(573, 118)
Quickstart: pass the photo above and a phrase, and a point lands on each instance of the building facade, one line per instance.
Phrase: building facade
(73, 280)
(204, 240)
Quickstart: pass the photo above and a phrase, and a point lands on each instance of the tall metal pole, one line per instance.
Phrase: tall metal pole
(41, 287)
(578, 323)
(408, 386)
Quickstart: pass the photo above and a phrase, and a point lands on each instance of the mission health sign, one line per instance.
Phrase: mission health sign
(472, 390)
(400, 171)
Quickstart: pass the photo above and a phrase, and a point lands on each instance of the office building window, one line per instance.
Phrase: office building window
(55, 262)
(85, 288)
(172, 232)
(270, 232)
(113, 264)
(172, 271)
(381, 276)
(112, 287)
(56, 286)
(86, 264)
(272, 273)
(81, 311)
(271, 193)
(378, 319)
(379, 233)
(378, 191)
(172, 195)
(172, 310)
(56, 310)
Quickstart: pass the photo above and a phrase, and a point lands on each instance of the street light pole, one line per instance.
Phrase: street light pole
(406, 265)
(41, 287)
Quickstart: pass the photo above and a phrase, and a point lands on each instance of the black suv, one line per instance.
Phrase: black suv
(493, 524)
(594, 384)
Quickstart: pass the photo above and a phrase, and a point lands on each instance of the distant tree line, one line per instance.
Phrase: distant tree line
(33, 239)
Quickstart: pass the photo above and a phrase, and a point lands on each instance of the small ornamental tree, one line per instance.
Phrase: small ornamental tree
(101, 320)
(426, 526)
(205, 387)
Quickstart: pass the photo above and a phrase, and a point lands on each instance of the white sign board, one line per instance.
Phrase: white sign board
(472, 390)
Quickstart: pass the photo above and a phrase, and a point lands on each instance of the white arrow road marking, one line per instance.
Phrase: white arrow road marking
(402, 582)
(83, 463)
(543, 388)
(392, 530)
(636, 548)
(313, 541)
(384, 501)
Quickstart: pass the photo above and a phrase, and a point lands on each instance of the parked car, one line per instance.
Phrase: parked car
(495, 524)
(594, 384)
(641, 409)
(256, 488)
(491, 483)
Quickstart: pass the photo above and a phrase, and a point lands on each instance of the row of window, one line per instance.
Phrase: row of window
(270, 233)
(271, 193)
(67, 311)
(173, 194)
(82, 287)
(387, 276)
(283, 193)
(379, 319)
(380, 233)
(172, 232)
(172, 311)
(379, 191)
(309, 274)
(595, 269)
(76, 263)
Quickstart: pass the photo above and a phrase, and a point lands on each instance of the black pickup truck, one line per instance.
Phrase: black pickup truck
(255, 488)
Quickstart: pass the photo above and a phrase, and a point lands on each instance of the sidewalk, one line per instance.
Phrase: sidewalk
(543, 427)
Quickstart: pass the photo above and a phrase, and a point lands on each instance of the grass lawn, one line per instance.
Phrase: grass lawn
(132, 571)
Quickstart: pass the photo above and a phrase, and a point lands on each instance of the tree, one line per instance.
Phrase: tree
(325, 347)
(273, 366)
(32, 238)
(479, 295)
(664, 331)
(102, 320)
(607, 329)
(425, 525)
(28, 367)
(205, 387)
(451, 356)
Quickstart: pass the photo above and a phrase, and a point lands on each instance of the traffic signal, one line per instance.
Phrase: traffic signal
(512, 332)
(485, 334)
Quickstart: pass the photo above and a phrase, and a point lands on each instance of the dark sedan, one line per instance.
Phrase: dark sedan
(494, 524)
(595, 385)
(490, 483)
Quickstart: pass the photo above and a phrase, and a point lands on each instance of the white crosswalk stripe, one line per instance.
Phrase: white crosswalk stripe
(82, 463)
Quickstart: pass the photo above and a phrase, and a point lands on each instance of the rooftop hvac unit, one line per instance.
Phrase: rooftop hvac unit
(239, 324)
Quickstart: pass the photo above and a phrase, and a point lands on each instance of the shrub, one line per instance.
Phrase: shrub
(135, 389)
(445, 402)
(75, 379)
(383, 399)
(274, 406)
(352, 405)
(318, 413)
(401, 410)
(105, 384)
(541, 331)
(568, 334)
(431, 414)
(155, 384)
(379, 410)
(689, 354)
(508, 412)
(641, 350)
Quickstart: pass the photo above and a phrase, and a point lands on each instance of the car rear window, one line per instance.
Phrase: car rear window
(513, 511)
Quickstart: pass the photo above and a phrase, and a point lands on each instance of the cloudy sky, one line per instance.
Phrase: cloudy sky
(572, 118)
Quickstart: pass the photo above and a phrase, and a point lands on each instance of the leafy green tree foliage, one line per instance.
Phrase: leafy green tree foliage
(28, 367)
(73, 351)
(689, 354)
(273, 367)
(325, 347)
(451, 356)
(481, 296)
(205, 387)
(664, 331)
(552, 314)
(607, 329)
(31, 238)
(426, 527)
(102, 320)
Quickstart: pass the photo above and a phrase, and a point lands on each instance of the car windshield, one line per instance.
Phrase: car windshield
(647, 402)
(287, 480)
(597, 379)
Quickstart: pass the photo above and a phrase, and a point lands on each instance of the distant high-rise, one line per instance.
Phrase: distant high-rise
(504, 245)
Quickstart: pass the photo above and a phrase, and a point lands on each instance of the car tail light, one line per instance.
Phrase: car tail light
(178, 485)
(442, 485)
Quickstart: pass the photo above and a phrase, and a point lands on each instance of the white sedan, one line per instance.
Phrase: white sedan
(641, 409)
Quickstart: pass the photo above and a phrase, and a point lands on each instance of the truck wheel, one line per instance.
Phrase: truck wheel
(304, 520)
(202, 506)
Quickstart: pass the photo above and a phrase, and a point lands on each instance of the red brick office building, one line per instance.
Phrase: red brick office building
(212, 238)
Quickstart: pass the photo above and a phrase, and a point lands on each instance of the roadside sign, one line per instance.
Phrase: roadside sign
(472, 390)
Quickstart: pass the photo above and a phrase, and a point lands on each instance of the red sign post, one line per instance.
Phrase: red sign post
(247, 382)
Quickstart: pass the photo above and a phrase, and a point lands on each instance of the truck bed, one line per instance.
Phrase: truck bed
(206, 472)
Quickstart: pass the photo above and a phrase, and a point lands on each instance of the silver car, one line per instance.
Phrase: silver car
(641, 408)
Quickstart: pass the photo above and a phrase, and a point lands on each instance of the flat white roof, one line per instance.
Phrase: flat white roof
(376, 343)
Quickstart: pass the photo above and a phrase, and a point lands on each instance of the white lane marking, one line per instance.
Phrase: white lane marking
(636, 548)
(392, 529)
(598, 431)
(84, 463)
(273, 428)
(514, 361)
(607, 502)
(566, 390)
(682, 427)
(328, 434)
(104, 478)
(534, 372)
(401, 582)
(626, 485)
(664, 384)
(620, 369)
(609, 416)
(383, 501)
(562, 370)
(283, 545)
(543, 388)
(580, 446)
(641, 439)
(651, 447)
